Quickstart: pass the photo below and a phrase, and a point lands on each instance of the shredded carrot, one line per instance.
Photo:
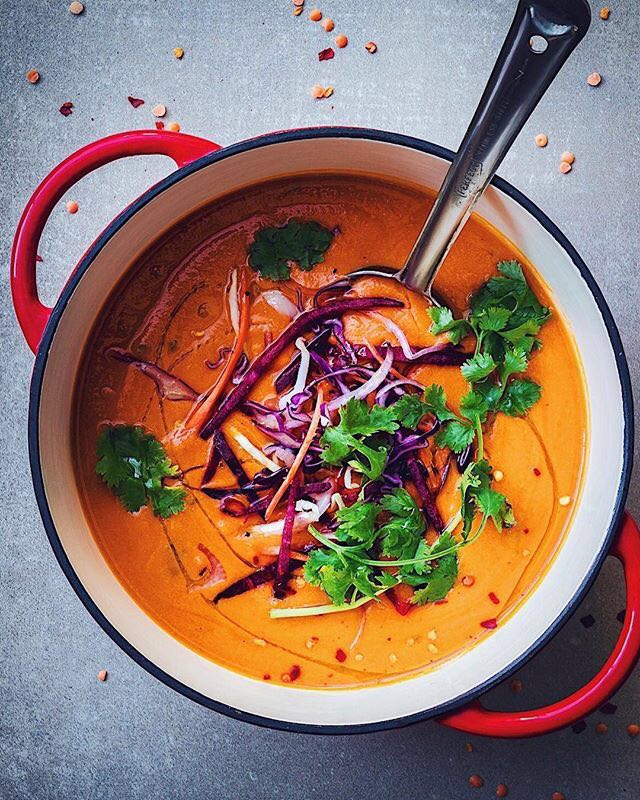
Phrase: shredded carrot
(376, 354)
(306, 444)
(203, 407)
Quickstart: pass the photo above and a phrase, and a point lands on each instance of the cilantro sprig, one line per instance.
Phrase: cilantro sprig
(505, 317)
(274, 249)
(134, 465)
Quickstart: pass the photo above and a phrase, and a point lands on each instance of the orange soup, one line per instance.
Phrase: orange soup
(323, 481)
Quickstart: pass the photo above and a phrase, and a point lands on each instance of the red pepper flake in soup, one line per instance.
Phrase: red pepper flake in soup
(341, 656)
(536, 472)
(494, 598)
(66, 109)
(490, 624)
(294, 672)
(136, 102)
(326, 54)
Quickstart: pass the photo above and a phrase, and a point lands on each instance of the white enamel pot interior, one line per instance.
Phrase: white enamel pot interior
(460, 678)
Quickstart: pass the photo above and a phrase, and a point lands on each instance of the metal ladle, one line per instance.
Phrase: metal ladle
(541, 38)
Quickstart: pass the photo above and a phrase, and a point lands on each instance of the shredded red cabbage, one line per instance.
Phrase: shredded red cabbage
(418, 479)
(299, 325)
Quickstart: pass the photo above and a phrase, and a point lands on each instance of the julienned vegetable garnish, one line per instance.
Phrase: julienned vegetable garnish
(360, 449)
(135, 466)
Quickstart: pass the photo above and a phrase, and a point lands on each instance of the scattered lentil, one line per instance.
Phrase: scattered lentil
(468, 747)
(159, 110)
(76, 8)
(328, 24)
(178, 52)
(633, 730)
(502, 790)
(476, 782)
(102, 675)
(371, 47)
(328, 91)
(33, 76)
(558, 796)
(564, 168)
(317, 91)
(72, 207)
(341, 40)
(542, 140)
(565, 499)
(297, 11)
(468, 580)
(568, 156)
(298, 3)
(173, 126)
(604, 12)
(594, 79)
(315, 15)
(602, 727)
(516, 685)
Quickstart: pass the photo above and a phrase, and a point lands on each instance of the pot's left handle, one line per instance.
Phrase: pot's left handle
(31, 313)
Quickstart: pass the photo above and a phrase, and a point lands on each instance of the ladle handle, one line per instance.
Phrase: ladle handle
(541, 38)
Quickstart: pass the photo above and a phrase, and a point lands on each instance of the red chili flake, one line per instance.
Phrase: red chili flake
(494, 598)
(39, 259)
(159, 124)
(326, 54)
(135, 101)
(440, 602)
(526, 530)
(536, 472)
(341, 655)
(65, 109)
(266, 677)
(294, 672)
(516, 685)
(490, 624)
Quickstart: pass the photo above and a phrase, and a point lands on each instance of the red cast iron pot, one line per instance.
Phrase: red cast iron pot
(204, 172)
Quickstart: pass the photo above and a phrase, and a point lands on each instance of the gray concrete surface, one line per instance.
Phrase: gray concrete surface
(247, 69)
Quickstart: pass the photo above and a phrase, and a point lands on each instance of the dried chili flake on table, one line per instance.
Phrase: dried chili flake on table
(136, 102)
(66, 109)
(159, 124)
(326, 54)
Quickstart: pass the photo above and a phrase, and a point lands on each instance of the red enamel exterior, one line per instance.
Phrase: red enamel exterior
(32, 314)
(479, 720)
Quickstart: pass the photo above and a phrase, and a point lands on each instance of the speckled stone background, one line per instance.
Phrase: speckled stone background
(248, 68)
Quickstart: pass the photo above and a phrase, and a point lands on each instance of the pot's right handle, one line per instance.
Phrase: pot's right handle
(31, 313)
(479, 720)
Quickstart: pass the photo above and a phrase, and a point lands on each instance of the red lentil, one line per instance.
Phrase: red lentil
(602, 727)
(173, 126)
(468, 747)
(558, 796)
(568, 156)
(565, 168)
(315, 15)
(604, 12)
(542, 140)
(476, 782)
(178, 52)
(341, 40)
(328, 24)
(102, 675)
(633, 729)
(371, 47)
(72, 207)
(594, 79)
(76, 8)
(33, 76)
(502, 790)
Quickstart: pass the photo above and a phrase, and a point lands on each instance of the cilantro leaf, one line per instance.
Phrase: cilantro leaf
(443, 321)
(274, 249)
(478, 367)
(357, 523)
(519, 396)
(356, 438)
(456, 435)
(436, 400)
(441, 580)
(474, 406)
(134, 465)
(410, 410)
(401, 534)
